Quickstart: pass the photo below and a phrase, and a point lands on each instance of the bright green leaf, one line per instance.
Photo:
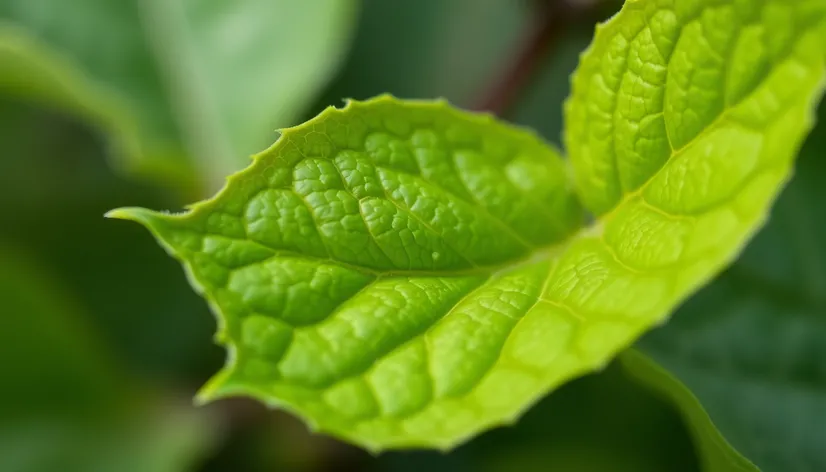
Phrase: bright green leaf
(751, 345)
(404, 274)
(372, 265)
(671, 90)
(183, 88)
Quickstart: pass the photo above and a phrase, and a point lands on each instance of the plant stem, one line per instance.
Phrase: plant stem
(555, 17)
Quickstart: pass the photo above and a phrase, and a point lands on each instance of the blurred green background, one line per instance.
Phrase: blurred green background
(108, 103)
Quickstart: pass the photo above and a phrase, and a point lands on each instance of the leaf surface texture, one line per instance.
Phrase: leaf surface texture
(401, 273)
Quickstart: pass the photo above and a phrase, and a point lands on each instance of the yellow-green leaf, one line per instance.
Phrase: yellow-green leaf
(403, 274)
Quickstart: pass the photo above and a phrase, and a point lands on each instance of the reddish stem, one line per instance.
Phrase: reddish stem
(554, 18)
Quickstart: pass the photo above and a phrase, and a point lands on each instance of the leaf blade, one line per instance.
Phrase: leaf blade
(418, 351)
(760, 385)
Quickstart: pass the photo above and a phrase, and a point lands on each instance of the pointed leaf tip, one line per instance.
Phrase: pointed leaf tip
(136, 214)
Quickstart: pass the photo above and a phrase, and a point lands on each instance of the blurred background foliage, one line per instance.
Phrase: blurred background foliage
(150, 103)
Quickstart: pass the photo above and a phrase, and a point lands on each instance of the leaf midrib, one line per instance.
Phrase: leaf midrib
(540, 254)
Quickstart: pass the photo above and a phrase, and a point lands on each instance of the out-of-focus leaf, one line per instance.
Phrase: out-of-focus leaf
(714, 452)
(54, 185)
(46, 346)
(751, 345)
(66, 404)
(430, 48)
(184, 88)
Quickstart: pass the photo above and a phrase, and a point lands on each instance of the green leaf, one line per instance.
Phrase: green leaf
(404, 274)
(750, 346)
(714, 452)
(743, 72)
(671, 89)
(184, 89)
(398, 273)
(372, 265)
